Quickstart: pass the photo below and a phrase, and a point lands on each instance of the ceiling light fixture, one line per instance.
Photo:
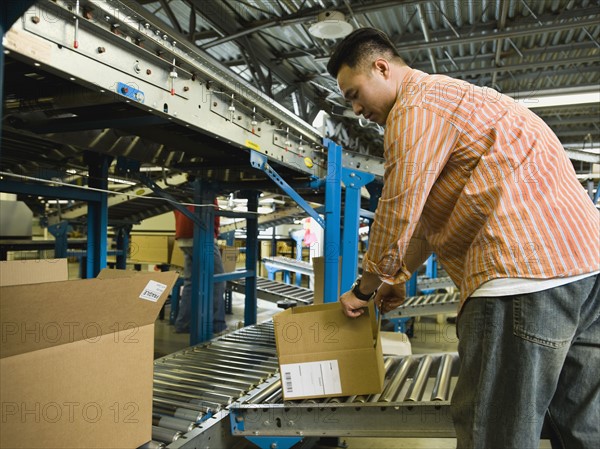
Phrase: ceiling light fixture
(330, 25)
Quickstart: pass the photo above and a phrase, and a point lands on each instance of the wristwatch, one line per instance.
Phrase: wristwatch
(362, 296)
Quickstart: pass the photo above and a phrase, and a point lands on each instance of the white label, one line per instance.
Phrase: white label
(152, 291)
(311, 379)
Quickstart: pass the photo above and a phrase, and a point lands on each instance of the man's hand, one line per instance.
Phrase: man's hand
(351, 305)
(389, 297)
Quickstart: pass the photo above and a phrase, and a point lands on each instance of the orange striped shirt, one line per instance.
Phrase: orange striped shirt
(486, 182)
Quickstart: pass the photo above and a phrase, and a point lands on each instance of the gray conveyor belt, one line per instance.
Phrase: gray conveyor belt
(235, 378)
(275, 291)
(289, 264)
(426, 305)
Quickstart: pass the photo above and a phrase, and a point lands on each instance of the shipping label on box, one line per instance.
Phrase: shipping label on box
(311, 379)
(323, 353)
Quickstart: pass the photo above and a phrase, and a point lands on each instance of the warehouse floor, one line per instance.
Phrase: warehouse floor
(431, 335)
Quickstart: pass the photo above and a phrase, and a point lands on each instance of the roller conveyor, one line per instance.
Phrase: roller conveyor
(415, 402)
(289, 264)
(426, 305)
(425, 283)
(275, 291)
(235, 379)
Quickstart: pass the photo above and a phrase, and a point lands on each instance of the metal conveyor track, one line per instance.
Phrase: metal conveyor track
(200, 391)
(275, 291)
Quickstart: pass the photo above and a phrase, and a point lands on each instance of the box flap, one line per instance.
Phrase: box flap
(18, 272)
(322, 328)
(39, 316)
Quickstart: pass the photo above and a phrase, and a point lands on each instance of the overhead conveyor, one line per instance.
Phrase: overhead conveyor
(214, 394)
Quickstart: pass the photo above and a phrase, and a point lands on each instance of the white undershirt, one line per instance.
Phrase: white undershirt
(514, 286)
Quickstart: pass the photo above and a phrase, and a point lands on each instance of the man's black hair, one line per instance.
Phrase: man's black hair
(357, 45)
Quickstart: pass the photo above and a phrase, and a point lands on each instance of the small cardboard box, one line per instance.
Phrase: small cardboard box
(76, 358)
(229, 254)
(176, 256)
(323, 353)
(149, 248)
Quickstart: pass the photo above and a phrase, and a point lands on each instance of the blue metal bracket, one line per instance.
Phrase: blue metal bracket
(174, 202)
(411, 285)
(59, 231)
(130, 91)
(431, 266)
(275, 442)
(267, 442)
(298, 237)
(260, 162)
(354, 180)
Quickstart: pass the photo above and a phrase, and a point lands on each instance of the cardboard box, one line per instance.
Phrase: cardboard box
(149, 248)
(230, 255)
(176, 256)
(323, 353)
(76, 358)
(33, 271)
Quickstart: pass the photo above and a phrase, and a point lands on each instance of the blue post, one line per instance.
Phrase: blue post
(250, 313)
(431, 266)
(354, 180)
(374, 189)
(333, 194)
(298, 237)
(122, 246)
(202, 268)
(59, 231)
(411, 285)
(97, 225)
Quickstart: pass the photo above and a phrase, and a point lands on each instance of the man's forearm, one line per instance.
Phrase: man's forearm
(417, 253)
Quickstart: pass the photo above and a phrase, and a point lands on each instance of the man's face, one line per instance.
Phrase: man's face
(369, 90)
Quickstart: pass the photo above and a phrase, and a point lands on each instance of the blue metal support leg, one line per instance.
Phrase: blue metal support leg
(333, 196)
(250, 312)
(97, 224)
(431, 266)
(374, 189)
(298, 237)
(411, 285)
(59, 231)
(354, 180)
(122, 246)
(201, 323)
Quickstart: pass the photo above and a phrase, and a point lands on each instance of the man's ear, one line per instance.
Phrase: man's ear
(382, 67)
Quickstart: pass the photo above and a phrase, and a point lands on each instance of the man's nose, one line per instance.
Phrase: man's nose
(357, 108)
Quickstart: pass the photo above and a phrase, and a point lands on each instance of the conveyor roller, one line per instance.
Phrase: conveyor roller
(414, 401)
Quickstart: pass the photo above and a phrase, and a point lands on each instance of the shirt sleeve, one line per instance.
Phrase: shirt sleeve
(418, 144)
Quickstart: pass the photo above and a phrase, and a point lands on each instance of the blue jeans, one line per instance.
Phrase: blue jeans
(527, 357)
(182, 323)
